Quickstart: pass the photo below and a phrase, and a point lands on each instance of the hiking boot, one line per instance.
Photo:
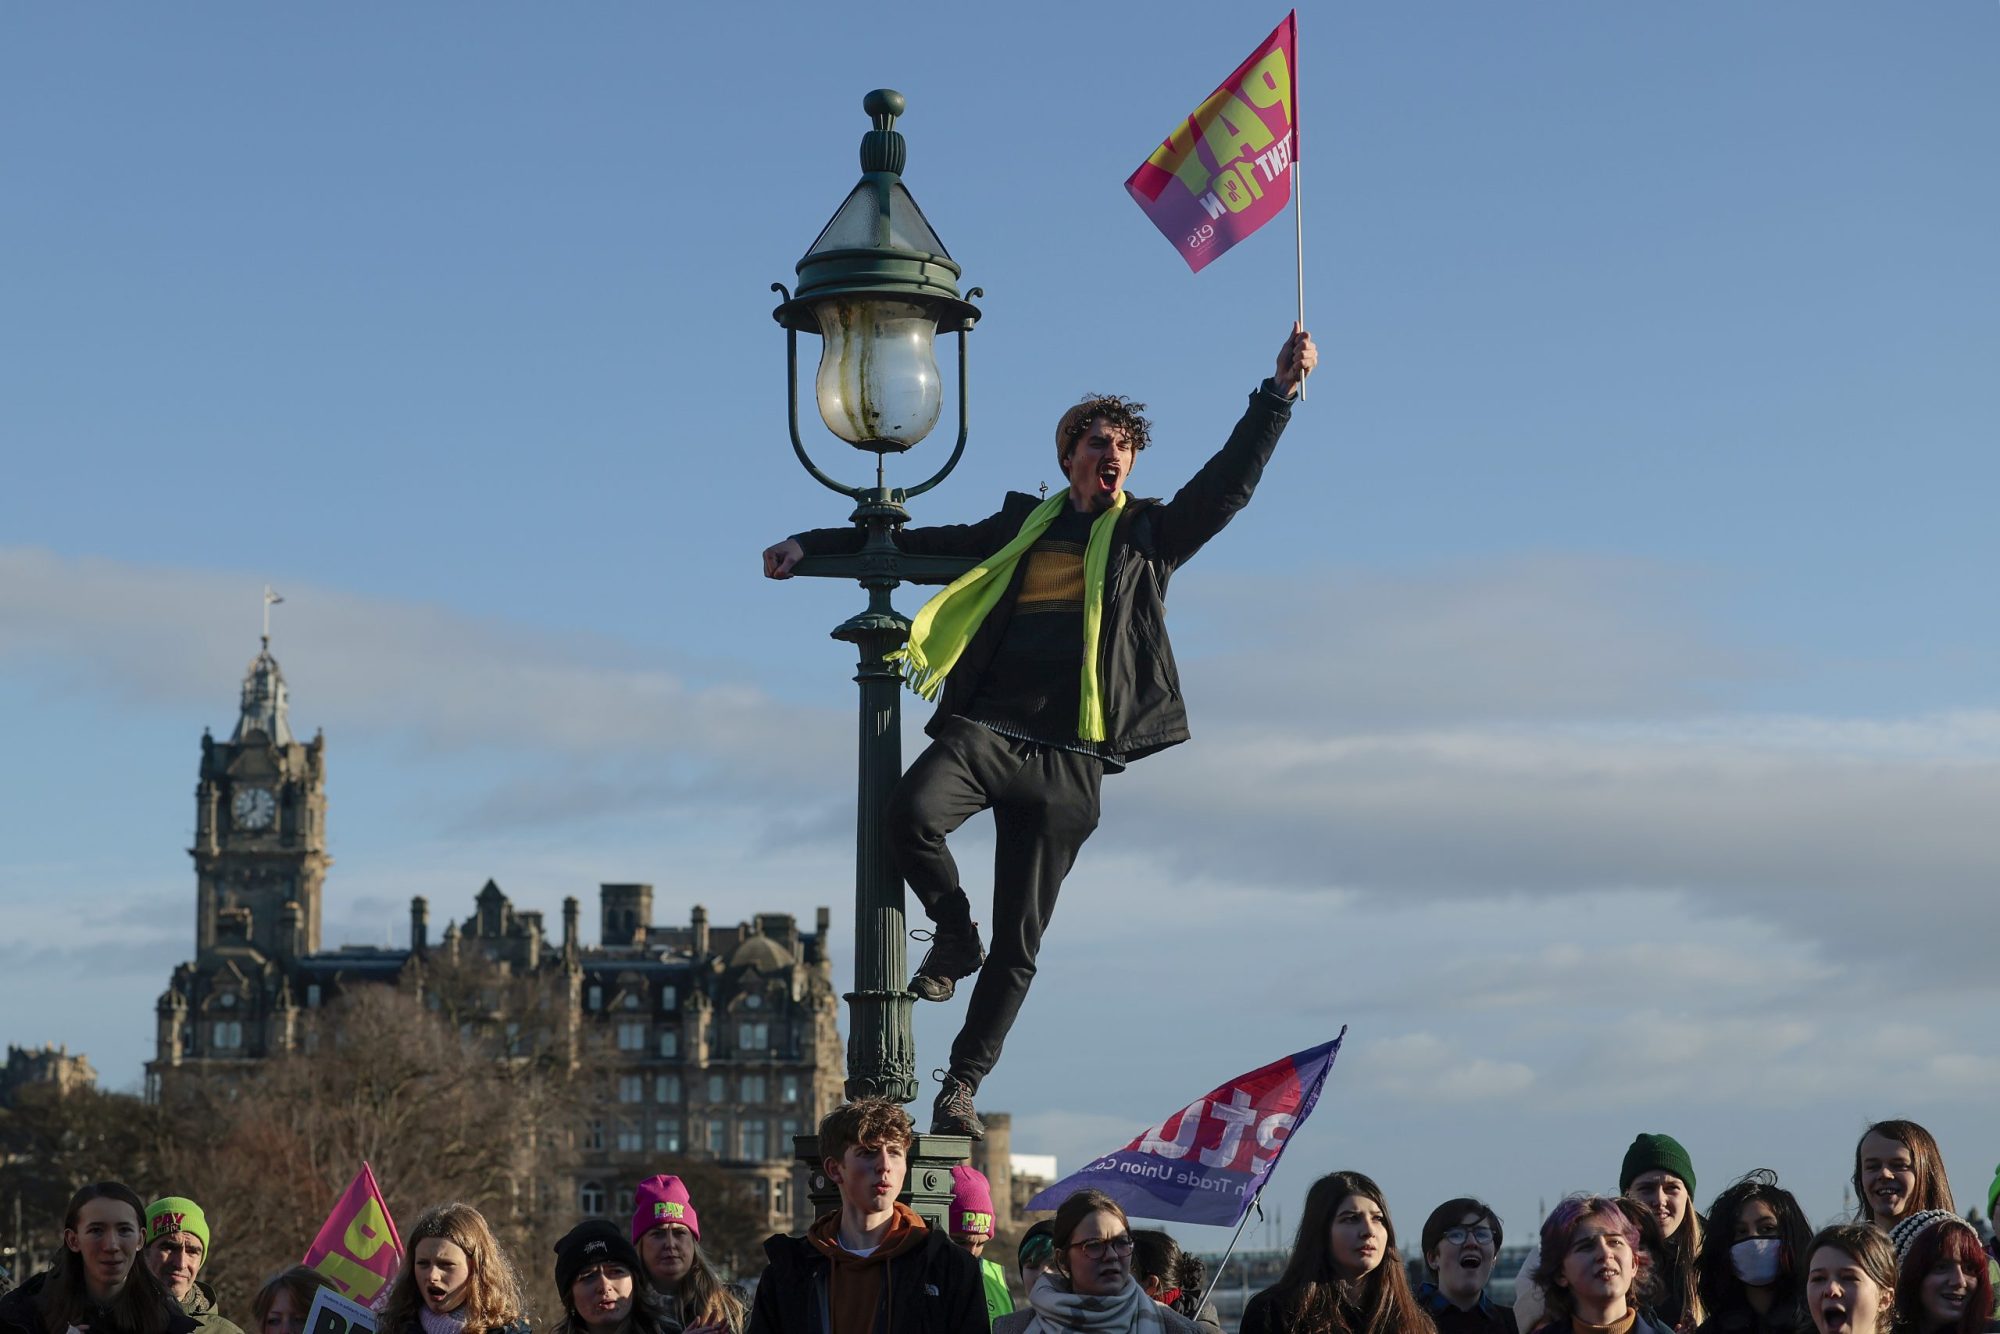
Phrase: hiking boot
(954, 953)
(952, 1113)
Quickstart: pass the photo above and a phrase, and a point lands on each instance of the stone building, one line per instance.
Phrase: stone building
(53, 1066)
(719, 1042)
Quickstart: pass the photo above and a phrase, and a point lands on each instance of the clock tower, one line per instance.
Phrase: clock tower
(260, 827)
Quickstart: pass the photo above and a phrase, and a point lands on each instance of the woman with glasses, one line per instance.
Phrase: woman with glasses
(1088, 1287)
(1751, 1270)
(1461, 1239)
(1344, 1275)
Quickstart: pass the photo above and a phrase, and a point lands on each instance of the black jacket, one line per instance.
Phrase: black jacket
(21, 1312)
(936, 1289)
(1142, 689)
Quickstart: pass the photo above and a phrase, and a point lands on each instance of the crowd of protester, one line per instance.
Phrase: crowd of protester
(1643, 1261)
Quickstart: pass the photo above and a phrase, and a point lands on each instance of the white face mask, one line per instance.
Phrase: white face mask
(1755, 1260)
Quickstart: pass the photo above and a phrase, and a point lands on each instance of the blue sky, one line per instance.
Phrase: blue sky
(1595, 710)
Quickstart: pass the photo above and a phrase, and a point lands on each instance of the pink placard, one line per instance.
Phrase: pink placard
(357, 1248)
(1225, 171)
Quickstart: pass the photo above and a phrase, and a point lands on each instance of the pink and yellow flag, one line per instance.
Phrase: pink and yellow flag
(1225, 171)
(357, 1248)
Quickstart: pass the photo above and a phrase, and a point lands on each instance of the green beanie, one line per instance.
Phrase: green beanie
(1650, 1152)
(1993, 1194)
(176, 1213)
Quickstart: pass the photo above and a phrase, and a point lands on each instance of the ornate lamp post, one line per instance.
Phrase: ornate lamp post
(878, 287)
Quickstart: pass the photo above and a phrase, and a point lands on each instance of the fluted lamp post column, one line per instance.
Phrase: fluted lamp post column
(877, 288)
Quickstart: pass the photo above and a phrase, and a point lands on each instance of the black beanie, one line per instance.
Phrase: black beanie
(1656, 1152)
(594, 1242)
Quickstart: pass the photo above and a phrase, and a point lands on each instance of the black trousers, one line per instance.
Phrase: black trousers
(1044, 804)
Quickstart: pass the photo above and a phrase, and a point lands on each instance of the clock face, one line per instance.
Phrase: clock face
(254, 808)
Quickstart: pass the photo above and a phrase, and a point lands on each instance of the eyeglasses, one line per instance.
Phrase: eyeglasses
(1458, 1236)
(1098, 1247)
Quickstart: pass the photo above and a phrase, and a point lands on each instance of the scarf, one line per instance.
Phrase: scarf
(941, 631)
(451, 1322)
(1060, 1311)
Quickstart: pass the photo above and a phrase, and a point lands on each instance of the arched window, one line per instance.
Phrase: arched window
(590, 1198)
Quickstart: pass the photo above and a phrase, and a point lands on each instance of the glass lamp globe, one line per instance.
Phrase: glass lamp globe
(878, 384)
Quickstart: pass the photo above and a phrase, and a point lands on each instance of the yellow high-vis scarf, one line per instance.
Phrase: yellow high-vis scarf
(947, 623)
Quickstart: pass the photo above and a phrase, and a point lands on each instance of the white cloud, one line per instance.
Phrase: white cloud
(438, 682)
(1423, 1067)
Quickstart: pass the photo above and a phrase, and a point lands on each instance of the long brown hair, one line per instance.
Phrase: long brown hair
(492, 1290)
(1308, 1293)
(706, 1299)
(141, 1306)
(1933, 1189)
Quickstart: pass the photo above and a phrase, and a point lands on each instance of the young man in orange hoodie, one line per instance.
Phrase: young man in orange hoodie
(872, 1266)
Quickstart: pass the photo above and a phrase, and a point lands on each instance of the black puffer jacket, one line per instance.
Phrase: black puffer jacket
(1142, 688)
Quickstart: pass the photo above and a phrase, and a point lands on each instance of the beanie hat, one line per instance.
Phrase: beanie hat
(1038, 1244)
(1655, 1153)
(662, 1199)
(1905, 1233)
(971, 1203)
(592, 1242)
(1993, 1195)
(176, 1213)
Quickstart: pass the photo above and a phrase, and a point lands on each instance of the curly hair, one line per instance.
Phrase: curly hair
(865, 1123)
(1721, 1290)
(1121, 414)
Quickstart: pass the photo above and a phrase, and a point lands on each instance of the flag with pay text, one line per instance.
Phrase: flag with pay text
(1206, 1162)
(357, 1248)
(1225, 171)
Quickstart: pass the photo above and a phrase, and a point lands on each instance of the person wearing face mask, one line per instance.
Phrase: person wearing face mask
(177, 1243)
(281, 1304)
(1658, 1174)
(1593, 1267)
(602, 1288)
(96, 1281)
(1942, 1285)
(1460, 1241)
(1089, 1286)
(454, 1279)
(1749, 1270)
(1851, 1280)
(1344, 1275)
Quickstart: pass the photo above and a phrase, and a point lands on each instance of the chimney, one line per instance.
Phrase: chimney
(420, 925)
(700, 921)
(570, 910)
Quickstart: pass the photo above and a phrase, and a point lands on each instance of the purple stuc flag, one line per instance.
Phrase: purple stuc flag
(1206, 1162)
(1225, 170)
